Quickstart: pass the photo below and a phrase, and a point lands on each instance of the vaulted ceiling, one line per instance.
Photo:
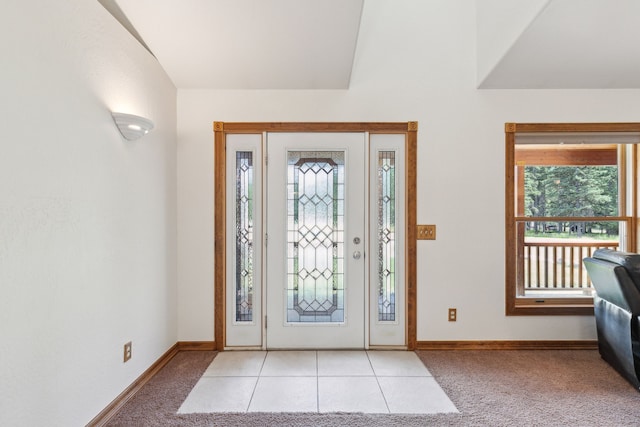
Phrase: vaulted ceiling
(310, 44)
(570, 44)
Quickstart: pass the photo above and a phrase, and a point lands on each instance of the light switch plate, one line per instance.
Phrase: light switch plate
(426, 232)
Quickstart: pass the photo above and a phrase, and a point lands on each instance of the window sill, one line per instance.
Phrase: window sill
(550, 307)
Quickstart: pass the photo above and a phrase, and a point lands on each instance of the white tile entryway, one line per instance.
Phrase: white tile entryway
(377, 382)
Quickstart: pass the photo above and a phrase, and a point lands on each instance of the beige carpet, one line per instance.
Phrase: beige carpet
(490, 388)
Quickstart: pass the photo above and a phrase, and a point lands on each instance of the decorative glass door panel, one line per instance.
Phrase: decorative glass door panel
(245, 189)
(386, 204)
(316, 242)
(315, 236)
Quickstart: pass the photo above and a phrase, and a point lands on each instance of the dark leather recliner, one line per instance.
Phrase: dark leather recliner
(616, 278)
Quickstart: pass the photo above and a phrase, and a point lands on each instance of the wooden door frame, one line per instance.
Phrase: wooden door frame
(222, 129)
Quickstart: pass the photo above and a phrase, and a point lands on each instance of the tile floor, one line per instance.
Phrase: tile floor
(379, 382)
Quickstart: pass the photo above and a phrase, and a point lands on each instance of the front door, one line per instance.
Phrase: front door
(316, 240)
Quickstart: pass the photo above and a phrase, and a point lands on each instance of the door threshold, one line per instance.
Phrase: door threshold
(246, 348)
(388, 347)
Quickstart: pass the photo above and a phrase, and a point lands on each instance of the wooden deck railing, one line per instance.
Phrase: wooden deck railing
(558, 265)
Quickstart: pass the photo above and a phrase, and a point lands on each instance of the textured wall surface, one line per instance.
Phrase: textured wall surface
(87, 219)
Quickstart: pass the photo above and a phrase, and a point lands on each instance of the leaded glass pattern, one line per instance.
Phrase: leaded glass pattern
(244, 236)
(315, 236)
(386, 201)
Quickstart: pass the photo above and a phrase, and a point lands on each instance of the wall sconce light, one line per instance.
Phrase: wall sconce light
(131, 126)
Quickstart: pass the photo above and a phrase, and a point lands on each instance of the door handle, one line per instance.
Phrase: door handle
(356, 255)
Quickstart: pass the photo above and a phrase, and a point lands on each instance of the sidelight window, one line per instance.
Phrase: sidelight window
(244, 256)
(386, 215)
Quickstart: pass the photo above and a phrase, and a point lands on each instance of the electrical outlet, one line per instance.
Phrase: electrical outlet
(453, 314)
(127, 351)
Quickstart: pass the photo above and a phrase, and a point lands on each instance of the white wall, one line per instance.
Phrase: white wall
(499, 24)
(87, 219)
(415, 61)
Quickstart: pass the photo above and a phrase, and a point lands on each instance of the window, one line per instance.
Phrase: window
(244, 238)
(569, 191)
